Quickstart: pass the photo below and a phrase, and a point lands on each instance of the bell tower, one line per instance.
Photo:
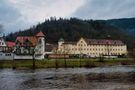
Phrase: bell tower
(40, 47)
(60, 42)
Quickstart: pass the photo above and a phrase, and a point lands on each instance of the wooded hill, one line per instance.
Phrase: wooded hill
(72, 29)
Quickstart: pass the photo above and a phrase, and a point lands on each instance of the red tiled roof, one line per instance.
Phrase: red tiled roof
(22, 39)
(10, 44)
(32, 39)
(103, 42)
(73, 43)
(40, 34)
(99, 42)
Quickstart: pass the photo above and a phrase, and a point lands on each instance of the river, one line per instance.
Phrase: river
(98, 78)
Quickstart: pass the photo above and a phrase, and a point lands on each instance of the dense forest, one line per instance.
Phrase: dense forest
(72, 29)
(125, 24)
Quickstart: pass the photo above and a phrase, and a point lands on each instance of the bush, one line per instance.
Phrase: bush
(89, 64)
(101, 59)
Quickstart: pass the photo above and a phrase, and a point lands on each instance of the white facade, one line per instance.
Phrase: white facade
(23, 57)
(93, 47)
(6, 56)
(40, 48)
(2, 43)
(3, 54)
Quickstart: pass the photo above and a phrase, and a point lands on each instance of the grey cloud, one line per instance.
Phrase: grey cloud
(10, 18)
(17, 25)
(8, 15)
(106, 9)
(7, 12)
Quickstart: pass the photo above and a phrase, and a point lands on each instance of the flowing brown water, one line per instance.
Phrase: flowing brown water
(99, 78)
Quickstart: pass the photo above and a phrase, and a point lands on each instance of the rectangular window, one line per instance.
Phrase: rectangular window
(18, 51)
(8, 54)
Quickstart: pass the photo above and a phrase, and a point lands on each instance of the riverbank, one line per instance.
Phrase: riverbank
(98, 78)
(66, 63)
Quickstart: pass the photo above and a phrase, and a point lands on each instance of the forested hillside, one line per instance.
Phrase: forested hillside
(72, 29)
(125, 24)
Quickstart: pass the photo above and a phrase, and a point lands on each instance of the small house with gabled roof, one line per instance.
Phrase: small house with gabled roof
(6, 49)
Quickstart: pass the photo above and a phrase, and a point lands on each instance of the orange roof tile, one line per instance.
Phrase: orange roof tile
(40, 34)
(103, 42)
(22, 39)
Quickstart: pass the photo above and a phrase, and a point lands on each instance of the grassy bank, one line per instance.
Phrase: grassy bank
(63, 63)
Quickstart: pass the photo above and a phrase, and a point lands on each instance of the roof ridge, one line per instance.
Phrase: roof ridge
(40, 34)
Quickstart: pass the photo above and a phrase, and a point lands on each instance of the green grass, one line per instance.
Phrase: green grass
(61, 63)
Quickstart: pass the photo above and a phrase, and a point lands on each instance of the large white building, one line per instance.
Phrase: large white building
(93, 47)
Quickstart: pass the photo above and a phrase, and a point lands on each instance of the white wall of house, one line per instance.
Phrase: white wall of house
(40, 48)
(92, 50)
(23, 57)
(6, 56)
(2, 43)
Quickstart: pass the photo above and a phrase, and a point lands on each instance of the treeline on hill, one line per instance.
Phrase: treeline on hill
(126, 24)
(72, 29)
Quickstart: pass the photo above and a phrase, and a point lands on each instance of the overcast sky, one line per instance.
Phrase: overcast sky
(21, 14)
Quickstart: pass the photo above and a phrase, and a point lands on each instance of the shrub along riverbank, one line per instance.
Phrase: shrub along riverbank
(66, 63)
